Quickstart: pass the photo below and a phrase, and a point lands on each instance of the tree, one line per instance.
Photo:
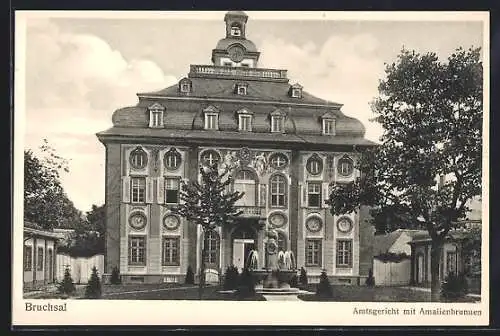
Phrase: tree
(45, 201)
(93, 289)
(431, 113)
(209, 204)
(66, 286)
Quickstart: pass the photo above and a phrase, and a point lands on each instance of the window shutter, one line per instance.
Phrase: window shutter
(149, 190)
(325, 195)
(160, 190)
(126, 189)
(150, 118)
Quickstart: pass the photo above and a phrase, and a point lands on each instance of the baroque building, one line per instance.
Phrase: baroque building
(284, 146)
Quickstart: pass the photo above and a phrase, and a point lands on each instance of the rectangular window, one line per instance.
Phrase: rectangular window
(28, 258)
(185, 87)
(228, 64)
(245, 123)
(278, 191)
(137, 250)
(344, 253)
(314, 194)
(277, 124)
(211, 121)
(328, 127)
(171, 249)
(156, 118)
(313, 252)
(172, 190)
(245, 65)
(138, 189)
(451, 263)
(39, 259)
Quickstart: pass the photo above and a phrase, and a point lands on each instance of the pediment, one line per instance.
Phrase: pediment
(156, 106)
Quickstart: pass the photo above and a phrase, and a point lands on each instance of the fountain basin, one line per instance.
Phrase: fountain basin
(273, 278)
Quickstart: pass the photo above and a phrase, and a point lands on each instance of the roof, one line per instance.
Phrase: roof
(206, 137)
(383, 243)
(258, 90)
(30, 231)
(424, 236)
(224, 43)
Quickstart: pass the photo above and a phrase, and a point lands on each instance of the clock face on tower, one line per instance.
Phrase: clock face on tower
(236, 53)
(171, 222)
(277, 220)
(137, 221)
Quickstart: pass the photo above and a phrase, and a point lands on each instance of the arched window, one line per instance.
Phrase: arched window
(245, 182)
(172, 159)
(278, 191)
(281, 241)
(209, 157)
(212, 243)
(345, 166)
(138, 158)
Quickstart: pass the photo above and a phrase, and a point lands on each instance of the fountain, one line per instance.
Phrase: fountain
(275, 276)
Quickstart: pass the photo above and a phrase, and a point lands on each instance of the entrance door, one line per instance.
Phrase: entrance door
(241, 249)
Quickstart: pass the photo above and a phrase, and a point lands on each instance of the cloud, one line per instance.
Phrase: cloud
(74, 82)
(344, 69)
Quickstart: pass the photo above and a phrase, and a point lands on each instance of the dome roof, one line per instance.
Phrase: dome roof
(224, 43)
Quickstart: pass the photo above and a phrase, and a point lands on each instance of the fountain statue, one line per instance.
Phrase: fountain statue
(279, 269)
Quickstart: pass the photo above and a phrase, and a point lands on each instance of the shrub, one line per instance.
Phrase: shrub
(454, 286)
(231, 278)
(370, 281)
(115, 276)
(246, 285)
(189, 276)
(294, 281)
(93, 288)
(66, 286)
(324, 288)
(303, 276)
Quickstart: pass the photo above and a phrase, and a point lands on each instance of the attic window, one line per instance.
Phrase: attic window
(296, 91)
(278, 121)
(241, 89)
(156, 115)
(185, 86)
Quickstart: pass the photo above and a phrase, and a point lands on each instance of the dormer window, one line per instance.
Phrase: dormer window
(185, 85)
(156, 115)
(296, 91)
(245, 119)
(211, 118)
(241, 89)
(328, 123)
(277, 122)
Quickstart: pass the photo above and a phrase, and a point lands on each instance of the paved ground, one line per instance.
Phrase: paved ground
(281, 298)
(428, 290)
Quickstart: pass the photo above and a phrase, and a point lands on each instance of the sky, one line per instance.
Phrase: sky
(79, 70)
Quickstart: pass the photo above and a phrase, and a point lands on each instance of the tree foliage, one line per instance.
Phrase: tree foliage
(87, 239)
(431, 113)
(209, 203)
(45, 201)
